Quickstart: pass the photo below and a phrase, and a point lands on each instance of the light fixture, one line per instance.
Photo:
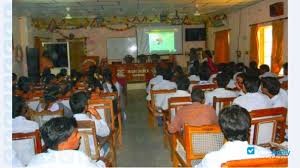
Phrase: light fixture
(197, 13)
(68, 16)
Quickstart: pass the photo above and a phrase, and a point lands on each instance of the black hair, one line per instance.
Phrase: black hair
(63, 72)
(235, 122)
(158, 70)
(78, 102)
(23, 84)
(271, 84)
(241, 75)
(18, 105)
(251, 84)
(49, 78)
(197, 95)
(50, 95)
(285, 66)
(107, 77)
(14, 77)
(59, 75)
(208, 53)
(179, 70)
(57, 130)
(67, 88)
(253, 65)
(183, 83)
(222, 80)
(204, 72)
(240, 67)
(264, 68)
(167, 74)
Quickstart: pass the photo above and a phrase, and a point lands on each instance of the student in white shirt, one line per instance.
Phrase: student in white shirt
(253, 99)
(194, 75)
(271, 87)
(182, 83)
(22, 148)
(235, 122)
(222, 80)
(285, 73)
(264, 71)
(166, 83)
(62, 139)
(158, 78)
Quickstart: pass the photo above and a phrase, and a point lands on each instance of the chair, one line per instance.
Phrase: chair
(151, 105)
(174, 104)
(105, 109)
(196, 142)
(206, 87)
(258, 162)
(219, 103)
(284, 85)
(90, 145)
(268, 125)
(45, 115)
(26, 145)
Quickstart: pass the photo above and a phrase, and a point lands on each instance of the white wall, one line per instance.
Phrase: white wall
(250, 15)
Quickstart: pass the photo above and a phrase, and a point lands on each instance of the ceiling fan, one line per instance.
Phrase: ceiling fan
(68, 16)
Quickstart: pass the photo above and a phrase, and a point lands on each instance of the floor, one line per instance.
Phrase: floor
(142, 146)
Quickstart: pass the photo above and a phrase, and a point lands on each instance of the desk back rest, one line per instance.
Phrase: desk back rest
(205, 87)
(154, 93)
(26, 145)
(219, 103)
(88, 145)
(201, 140)
(45, 115)
(258, 162)
(266, 124)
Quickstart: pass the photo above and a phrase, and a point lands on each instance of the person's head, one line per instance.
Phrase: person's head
(24, 84)
(183, 83)
(270, 86)
(61, 134)
(51, 94)
(240, 79)
(197, 95)
(18, 106)
(63, 72)
(285, 68)
(208, 53)
(222, 80)
(78, 102)
(59, 77)
(14, 78)
(179, 70)
(253, 65)
(235, 122)
(251, 84)
(204, 72)
(264, 68)
(240, 67)
(50, 79)
(167, 74)
(158, 70)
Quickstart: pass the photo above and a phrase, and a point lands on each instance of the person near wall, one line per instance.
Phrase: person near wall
(285, 73)
(264, 71)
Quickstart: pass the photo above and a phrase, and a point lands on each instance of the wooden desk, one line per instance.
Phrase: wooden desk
(134, 72)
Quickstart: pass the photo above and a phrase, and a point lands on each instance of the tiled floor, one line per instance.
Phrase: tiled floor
(142, 146)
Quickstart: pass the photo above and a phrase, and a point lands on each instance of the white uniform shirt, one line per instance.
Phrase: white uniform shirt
(220, 93)
(285, 78)
(64, 159)
(179, 93)
(233, 150)
(280, 100)
(194, 78)
(164, 84)
(253, 101)
(154, 81)
(231, 84)
(24, 148)
(268, 74)
(117, 85)
(101, 125)
(53, 107)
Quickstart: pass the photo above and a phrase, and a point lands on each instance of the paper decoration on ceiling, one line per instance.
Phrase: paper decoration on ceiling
(218, 20)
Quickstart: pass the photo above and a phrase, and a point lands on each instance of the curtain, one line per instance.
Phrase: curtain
(254, 56)
(277, 46)
(261, 44)
(222, 47)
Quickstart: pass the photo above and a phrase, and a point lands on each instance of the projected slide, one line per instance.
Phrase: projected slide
(161, 41)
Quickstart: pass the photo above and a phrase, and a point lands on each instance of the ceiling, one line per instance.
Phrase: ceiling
(108, 8)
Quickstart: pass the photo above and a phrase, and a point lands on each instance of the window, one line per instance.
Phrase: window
(265, 45)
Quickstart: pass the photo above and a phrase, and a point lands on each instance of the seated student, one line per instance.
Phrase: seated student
(158, 78)
(235, 122)
(183, 84)
(194, 75)
(166, 83)
(51, 103)
(253, 70)
(177, 73)
(45, 75)
(253, 99)
(78, 104)
(197, 113)
(285, 73)
(24, 88)
(264, 71)
(222, 80)
(239, 82)
(22, 148)
(62, 139)
(271, 88)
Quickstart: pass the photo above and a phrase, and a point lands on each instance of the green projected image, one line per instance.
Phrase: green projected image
(161, 41)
